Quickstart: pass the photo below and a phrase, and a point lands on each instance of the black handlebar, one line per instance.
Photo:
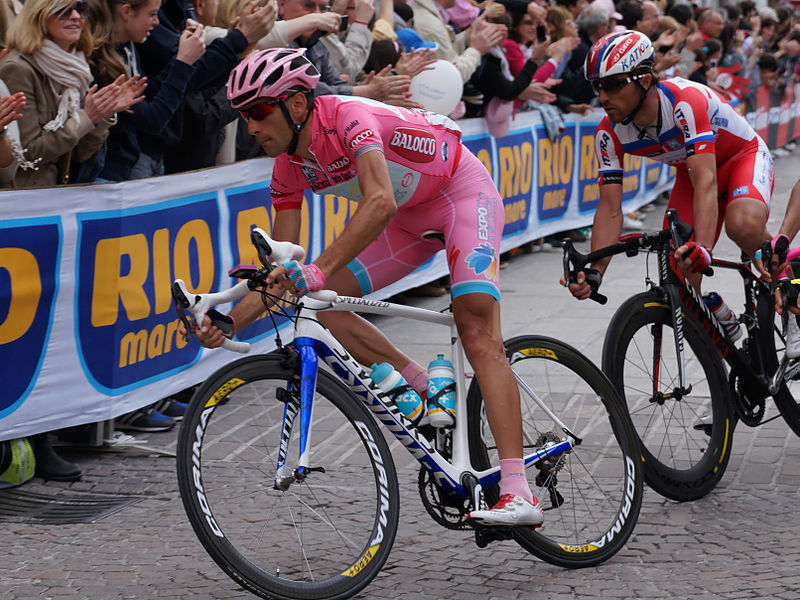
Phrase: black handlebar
(676, 232)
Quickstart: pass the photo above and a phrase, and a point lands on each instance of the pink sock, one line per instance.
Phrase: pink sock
(417, 377)
(513, 480)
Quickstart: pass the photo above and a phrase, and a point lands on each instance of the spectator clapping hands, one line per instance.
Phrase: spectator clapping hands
(415, 62)
(9, 108)
(106, 102)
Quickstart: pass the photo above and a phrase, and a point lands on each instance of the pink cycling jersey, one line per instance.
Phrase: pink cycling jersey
(693, 119)
(438, 186)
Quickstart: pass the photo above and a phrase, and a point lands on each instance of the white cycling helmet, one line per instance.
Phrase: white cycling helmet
(620, 53)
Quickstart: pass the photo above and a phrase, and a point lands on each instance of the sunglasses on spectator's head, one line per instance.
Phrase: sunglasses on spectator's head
(261, 110)
(80, 7)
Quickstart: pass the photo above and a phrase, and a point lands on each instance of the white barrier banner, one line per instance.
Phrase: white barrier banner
(87, 326)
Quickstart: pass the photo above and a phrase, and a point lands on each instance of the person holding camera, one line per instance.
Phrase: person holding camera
(349, 47)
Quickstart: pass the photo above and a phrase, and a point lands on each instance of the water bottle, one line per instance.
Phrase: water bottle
(441, 393)
(724, 315)
(406, 399)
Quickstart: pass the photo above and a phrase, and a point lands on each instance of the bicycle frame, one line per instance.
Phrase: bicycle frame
(314, 342)
(682, 296)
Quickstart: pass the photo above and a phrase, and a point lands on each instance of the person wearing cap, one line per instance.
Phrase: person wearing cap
(723, 169)
(411, 40)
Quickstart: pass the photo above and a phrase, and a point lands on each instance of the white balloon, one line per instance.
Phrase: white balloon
(438, 89)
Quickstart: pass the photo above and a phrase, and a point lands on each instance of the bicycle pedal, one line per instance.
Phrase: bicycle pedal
(486, 535)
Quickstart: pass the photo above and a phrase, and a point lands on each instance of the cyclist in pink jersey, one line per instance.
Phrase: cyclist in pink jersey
(723, 169)
(419, 191)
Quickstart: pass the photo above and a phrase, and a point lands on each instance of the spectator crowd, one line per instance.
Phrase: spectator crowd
(114, 90)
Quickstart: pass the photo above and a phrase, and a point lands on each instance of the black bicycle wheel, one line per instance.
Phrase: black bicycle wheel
(326, 536)
(686, 441)
(591, 494)
(772, 343)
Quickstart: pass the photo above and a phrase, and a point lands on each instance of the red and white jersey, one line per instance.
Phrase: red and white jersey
(693, 119)
(422, 151)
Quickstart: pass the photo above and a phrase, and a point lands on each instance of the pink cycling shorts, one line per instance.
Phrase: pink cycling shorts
(467, 211)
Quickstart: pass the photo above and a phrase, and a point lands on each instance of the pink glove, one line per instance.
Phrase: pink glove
(305, 278)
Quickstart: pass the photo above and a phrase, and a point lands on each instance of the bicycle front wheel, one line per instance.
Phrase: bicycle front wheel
(323, 536)
(590, 494)
(685, 437)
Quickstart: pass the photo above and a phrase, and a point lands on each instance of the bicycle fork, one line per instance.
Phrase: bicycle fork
(308, 382)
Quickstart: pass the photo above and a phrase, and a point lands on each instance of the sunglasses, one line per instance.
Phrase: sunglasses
(261, 110)
(81, 7)
(611, 84)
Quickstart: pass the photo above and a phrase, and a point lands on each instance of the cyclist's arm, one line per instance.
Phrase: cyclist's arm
(607, 225)
(703, 175)
(791, 219)
(606, 229)
(374, 212)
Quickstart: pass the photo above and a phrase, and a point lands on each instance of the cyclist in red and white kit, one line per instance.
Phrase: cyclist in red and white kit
(419, 190)
(723, 168)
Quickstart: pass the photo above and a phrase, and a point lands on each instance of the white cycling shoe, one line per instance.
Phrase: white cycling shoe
(510, 511)
(792, 338)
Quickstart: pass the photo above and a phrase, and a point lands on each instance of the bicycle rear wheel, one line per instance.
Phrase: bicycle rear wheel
(591, 494)
(685, 452)
(326, 536)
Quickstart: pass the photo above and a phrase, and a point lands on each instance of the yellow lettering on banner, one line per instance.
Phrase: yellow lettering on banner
(515, 211)
(162, 281)
(630, 183)
(526, 175)
(565, 160)
(516, 169)
(632, 162)
(555, 161)
(506, 157)
(591, 192)
(111, 286)
(245, 221)
(484, 156)
(587, 166)
(545, 162)
(553, 199)
(194, 231)
(337, 213)
(136, 345)
(652, 175)
(26, 291)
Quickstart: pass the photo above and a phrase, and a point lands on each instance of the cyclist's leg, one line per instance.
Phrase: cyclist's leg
(471, 219)
(748, 182)
(376, 267)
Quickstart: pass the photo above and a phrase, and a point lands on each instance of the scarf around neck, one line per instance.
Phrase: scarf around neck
(69, 76)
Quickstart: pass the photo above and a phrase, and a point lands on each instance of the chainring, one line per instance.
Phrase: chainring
(448, 511)
(750, 413)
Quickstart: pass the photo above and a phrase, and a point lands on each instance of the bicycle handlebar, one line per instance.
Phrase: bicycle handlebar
(271, 254)
(676, 232)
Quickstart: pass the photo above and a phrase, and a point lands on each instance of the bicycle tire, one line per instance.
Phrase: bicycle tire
(680, 462)
(600, 480)
(772, 344)
(324, 537)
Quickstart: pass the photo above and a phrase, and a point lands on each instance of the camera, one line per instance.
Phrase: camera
(541, 33)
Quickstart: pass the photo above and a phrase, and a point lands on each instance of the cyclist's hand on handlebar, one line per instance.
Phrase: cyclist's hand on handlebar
(774, 252)
(305, 278)
(583, 287)
(693, 257)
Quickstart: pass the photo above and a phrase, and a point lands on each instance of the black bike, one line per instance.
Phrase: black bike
(666, 353)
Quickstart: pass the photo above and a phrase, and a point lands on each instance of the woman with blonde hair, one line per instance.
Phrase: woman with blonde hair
(65, 117)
